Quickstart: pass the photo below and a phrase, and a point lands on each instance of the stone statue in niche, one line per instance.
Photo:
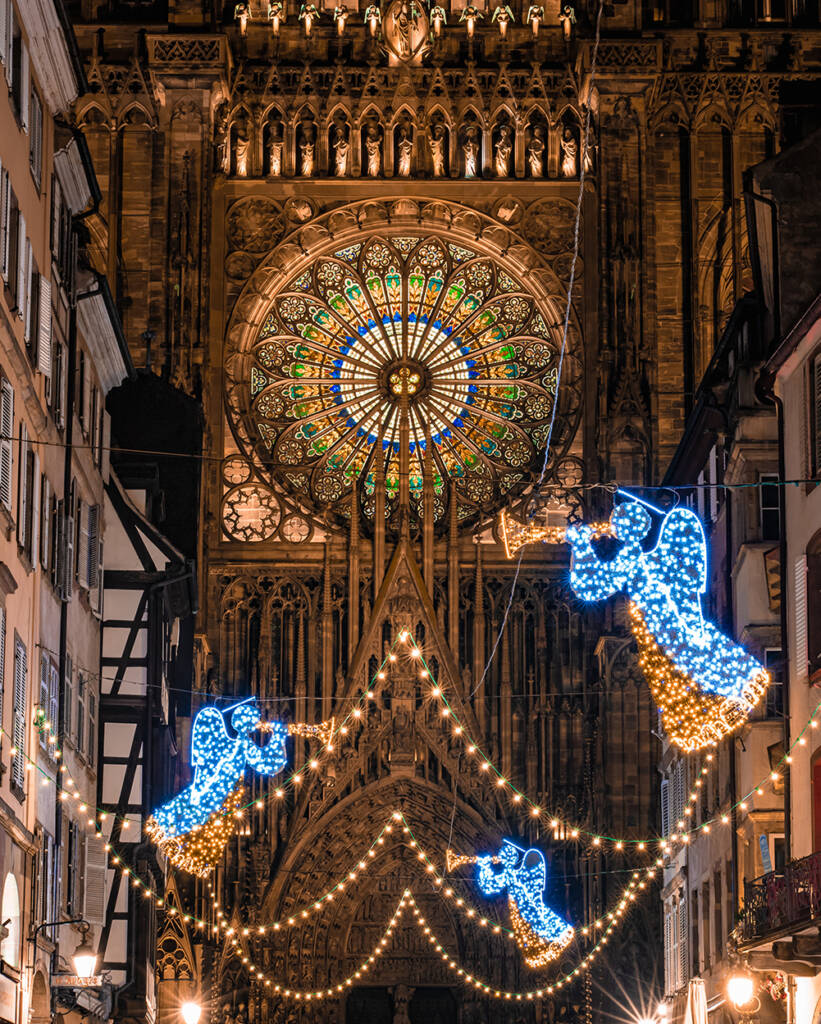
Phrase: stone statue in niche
(535, 152)
(341, 18)
(307, 148)
(504, 149)
(405, 152)
(534, 17)
(275, 150)
(570, 154)
(567, 17)
(241, 17)
(242, 146)
(587, 154)
(341, 148)
(373, 19)
(438, 18)
(373, 147)
(437, 138)
(470, 151)
(221, 138)
(470, 16)
(401, 999)
(405, 17)
(503, 14)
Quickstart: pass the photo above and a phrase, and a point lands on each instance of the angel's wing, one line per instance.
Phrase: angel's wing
(210, 741)
(681, 551)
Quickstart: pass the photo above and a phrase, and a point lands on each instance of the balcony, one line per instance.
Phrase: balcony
(780, 903)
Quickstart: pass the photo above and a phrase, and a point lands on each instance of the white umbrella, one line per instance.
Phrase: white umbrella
(696, 1012)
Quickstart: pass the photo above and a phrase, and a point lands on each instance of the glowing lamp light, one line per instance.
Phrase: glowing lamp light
(741, 990)
(191, 1012)
(85, 960)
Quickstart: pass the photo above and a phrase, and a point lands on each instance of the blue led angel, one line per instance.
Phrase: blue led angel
(540, 932)
(704, 683)
(193, 827)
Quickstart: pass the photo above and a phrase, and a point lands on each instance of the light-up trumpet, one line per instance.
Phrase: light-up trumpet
(324, 730)
(457, 860)
(515, 534)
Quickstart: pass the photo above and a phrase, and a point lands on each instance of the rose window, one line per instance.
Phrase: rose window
(403, 337)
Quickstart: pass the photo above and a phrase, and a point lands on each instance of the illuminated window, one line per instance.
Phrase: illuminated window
(405, 322)
(10, 946)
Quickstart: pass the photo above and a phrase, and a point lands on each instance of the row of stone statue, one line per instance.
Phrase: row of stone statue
(234, 150)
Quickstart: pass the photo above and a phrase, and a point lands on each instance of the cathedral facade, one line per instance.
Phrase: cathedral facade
(422, 264)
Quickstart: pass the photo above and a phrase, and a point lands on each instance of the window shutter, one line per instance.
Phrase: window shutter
(665, 808)
(22, 276)
(22, 488)
(95, 882)
(68, 697)
(44, 341)
(5, 220)
(25, 86)
(45, 522)
(20, 715)
(7, 441)
(33, 534)
(92, 552)
(816, 412)
(801, 617)
(28, 297)
(54, 696)
(65, 549)
(683, 944)
(83, 543)
(2, 659)
(5, 19)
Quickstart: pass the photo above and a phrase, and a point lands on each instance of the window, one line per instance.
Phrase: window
(45, 522)
(36, 136)
(812, 593)
(80, 734)
(74, 869)
(49, 701)
(27, 496)
(19, 715)
(92, 725)
(816, 803)
(815, 416)
(5, 219)
(2, 659)
(60, 233)
(82, 394)
(17, 227)
(665, 807)
(44, 701)
(68, 698)
(31, 314)
(718, 923)
(10, 946)
(774, 663)
(6, 442)
(770, 508)
(696, 965)
(46, 910)
(57, 390)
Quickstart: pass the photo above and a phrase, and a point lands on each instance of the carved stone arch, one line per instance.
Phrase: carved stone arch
(308, 108)
(86, 111)
(672, 116)
(40, 1010)
(435, 106)
(127, 110)
(405, 110)
(714, 116)
(470, 106)
(366, 109)
(716, 286)
(331, 845)
(357, 224)
(756, 116)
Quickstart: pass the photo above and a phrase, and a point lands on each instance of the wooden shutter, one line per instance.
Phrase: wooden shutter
(28, 296)
(2, 659)
(82, 543)
(25, 86)
(6, 441)
(54, 697)
(95, 882)
(665, 807)
(22, 277)
(45, 522)
(22, 487)
(816, 412)
(800, 597)
(67, 710)
(44, 339)
(93, 544)
(19, 715)
(5, 33)
(5, 219)
(33, 531)
(683, 943)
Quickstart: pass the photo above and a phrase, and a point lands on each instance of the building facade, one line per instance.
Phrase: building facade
(61, 351)
(300, 214)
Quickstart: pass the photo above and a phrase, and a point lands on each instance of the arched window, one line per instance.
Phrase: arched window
(10, 946)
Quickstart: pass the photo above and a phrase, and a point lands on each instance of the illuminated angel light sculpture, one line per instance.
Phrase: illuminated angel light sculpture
(704, 683)
(193, 828)
(540, 932)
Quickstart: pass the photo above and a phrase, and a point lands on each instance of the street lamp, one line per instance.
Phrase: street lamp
(741, 990)
(85, 960)
(191, 1012)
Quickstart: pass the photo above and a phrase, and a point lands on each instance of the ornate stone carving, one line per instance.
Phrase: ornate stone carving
(255, 225)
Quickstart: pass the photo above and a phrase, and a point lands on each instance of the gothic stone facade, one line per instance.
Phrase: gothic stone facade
(252, 180)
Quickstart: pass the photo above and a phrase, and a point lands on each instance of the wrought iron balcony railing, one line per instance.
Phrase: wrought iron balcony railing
(779, 901)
